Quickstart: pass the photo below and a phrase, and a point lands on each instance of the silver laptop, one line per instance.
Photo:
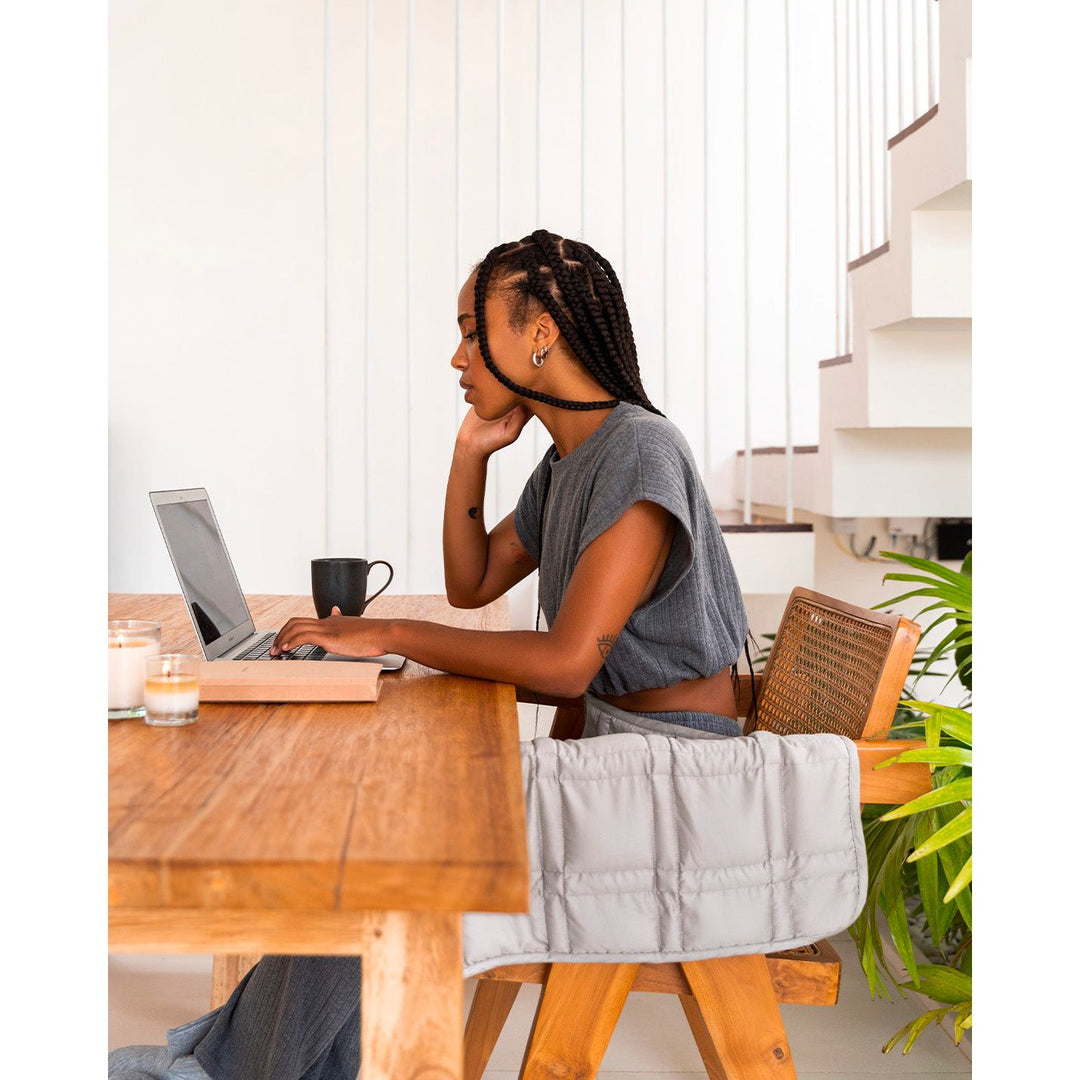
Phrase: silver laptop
(214, 599)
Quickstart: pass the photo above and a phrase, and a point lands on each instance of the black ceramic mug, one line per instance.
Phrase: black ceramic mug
(342, 583)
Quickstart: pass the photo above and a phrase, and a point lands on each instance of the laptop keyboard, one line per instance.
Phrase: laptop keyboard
(261, 651)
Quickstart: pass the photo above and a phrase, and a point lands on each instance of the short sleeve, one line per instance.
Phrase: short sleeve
(649, 465)
(527, 511)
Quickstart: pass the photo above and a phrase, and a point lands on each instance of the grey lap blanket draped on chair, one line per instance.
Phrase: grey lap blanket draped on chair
(648, 847)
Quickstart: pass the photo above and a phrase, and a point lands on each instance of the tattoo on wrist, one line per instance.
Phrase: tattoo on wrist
(474, 512)
(604, 644)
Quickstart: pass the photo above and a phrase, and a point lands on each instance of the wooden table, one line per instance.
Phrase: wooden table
(340, 829)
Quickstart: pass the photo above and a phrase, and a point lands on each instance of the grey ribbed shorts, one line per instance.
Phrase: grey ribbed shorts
(682, 723)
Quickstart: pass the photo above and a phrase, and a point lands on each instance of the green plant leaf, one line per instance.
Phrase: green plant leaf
(937, 824)
(890, 892)
(938, 914)
(961, 618)
(952, 859)
(950, 613)
(910, 725)
(932, 729)
(953, 720)
(962, 880)
(959, 1024)
(959, 634)
(957, 827)
(952, 711)
(943, 983)
(957, 577)
(957, 598)
(887, 845)
(942, 755)
(949, 616)
(893, 600)
(948, 773)
(939, 587)
(963, 657)
(914, 1028)
(957, 791)
(921, 1024)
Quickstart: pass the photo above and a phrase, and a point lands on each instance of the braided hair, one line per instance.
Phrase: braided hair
(581, 291)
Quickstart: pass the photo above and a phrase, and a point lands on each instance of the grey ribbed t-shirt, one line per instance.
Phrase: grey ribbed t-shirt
(694, 624)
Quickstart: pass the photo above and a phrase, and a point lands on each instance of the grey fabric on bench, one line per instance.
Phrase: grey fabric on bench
(652, 847)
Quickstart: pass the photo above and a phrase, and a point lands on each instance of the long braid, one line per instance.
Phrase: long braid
(582, 293)
(606, 299)
(597, 301)
(611, 289)
(612, 306)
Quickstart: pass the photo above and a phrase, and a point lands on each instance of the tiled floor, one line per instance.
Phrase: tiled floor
(652, 1042)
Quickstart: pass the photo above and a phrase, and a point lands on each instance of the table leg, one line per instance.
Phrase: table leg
(411, 997)
(228, 970)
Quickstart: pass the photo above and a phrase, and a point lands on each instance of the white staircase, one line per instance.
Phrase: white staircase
(895, 415)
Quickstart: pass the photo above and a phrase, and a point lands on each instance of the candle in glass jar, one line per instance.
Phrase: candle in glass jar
(172, 694)
(172, 689)
(131, 642)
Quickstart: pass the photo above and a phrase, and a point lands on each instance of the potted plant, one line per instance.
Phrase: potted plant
(919, 853)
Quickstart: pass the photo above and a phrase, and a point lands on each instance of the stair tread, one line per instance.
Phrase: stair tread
(778, 450)
(731, 521)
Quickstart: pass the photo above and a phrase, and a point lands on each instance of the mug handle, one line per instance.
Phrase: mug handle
(379, 562)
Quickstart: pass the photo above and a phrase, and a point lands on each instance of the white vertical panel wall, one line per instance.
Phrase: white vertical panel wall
(433, 287)
(644, 188)
(521, 161)
(685, 315)
(390, 330)
(559, 127)
(216, 281)
(299, 189)
(346, 133)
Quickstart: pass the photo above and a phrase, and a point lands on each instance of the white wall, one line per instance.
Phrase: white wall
(299, 188)
(216, 309)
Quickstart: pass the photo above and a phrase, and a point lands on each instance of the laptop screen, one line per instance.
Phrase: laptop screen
(203, 566)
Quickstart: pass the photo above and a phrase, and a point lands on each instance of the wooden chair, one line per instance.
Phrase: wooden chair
(834, 668)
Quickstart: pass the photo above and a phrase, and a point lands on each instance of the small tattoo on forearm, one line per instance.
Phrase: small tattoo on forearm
(474, 512)
(604, 644)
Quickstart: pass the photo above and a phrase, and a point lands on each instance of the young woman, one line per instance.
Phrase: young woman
(642, 604)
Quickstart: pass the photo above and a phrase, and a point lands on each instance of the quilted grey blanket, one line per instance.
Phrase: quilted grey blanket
(649, 847)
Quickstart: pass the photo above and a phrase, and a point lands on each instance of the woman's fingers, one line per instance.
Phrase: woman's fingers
(297, 632)
(520, 417)
(492, 435)
(513, 423)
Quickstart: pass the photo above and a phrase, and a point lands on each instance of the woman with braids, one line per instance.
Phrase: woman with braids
(643, 607)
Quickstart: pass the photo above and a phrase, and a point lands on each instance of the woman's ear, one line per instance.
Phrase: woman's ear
(545, 331)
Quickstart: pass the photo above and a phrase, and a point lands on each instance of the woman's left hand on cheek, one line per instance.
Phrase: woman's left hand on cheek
(349, 635)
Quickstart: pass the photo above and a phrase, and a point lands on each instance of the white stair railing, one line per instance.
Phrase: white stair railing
(885, 78)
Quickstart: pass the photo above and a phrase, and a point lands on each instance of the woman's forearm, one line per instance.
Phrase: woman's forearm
(465, 537)
(538, 660)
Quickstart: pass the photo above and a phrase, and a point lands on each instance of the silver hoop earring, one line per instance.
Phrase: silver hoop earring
(538, 360)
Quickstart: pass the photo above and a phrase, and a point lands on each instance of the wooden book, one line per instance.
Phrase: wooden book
(288, 680)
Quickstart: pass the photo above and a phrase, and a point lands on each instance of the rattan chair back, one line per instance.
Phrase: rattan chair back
(834, 668)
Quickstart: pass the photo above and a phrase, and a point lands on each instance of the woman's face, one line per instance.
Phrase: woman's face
(510, 351)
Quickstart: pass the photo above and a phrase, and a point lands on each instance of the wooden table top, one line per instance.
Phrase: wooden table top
(413, 802)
